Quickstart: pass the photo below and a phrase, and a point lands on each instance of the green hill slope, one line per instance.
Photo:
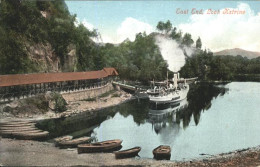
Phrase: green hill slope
(238, 51)
(40, 36)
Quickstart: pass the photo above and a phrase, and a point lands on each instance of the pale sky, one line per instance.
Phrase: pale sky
(118, 20)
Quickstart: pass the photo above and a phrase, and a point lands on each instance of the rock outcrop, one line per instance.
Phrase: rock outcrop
(40, 104)
(46, 59)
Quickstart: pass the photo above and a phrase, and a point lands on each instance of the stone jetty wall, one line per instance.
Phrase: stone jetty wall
(87, 93)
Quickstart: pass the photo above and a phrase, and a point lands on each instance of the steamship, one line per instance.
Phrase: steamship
(166, 92)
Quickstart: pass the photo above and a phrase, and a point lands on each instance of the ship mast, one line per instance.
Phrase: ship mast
(167, 80)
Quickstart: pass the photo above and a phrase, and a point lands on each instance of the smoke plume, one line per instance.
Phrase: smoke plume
(171, 52)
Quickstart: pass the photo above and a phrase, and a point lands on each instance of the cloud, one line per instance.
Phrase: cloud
(126, 30)
(76, 22)
(85, 23)
(107, 39)
(225, 31)
(88, 25)
(130, 27)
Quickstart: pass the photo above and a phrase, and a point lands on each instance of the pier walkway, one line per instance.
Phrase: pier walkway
(136, 89)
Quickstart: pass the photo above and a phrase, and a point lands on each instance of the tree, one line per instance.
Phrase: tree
(43, 5)
(86, 49)
(219, 70)
(198, 43)
(138, 60)
(176, 35)
(187, 40)
(168, 26)
(160, 26)
(164, 27)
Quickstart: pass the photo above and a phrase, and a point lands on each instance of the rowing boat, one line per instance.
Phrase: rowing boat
(132, 152)
(26, 124)
(11, 131)
(104, 146)
(32, 135)
(73, 142)
(15, 122)
(59, 139)
(162, 152)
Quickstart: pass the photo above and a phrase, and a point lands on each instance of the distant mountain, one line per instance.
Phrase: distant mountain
(238, 51)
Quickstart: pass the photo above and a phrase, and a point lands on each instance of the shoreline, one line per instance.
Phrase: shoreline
(75, 107)
(35, 153)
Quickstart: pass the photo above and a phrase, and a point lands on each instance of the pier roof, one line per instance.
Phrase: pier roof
(26, 79)
(110, 71)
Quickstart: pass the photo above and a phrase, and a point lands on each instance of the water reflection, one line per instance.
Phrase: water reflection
(179, 114)
(78, 125)
(164, 119)
(230, 121)
(138, 109)
(200, 99)
(163, 116)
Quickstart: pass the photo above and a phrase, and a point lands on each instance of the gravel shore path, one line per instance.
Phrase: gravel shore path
(33, 153)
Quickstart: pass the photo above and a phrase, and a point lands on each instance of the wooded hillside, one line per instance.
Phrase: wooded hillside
(41, 36)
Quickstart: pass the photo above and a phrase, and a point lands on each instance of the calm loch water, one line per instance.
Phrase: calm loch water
(212, 120)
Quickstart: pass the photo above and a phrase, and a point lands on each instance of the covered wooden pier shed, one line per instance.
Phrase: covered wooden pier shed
(25, 85)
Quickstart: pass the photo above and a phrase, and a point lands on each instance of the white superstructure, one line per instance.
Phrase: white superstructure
(173, 93)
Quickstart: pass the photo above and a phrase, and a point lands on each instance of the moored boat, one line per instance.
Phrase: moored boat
(59, 139)
(22, 128)
(162, 152)
(132, 152)
(32, 135)
(104, 146)
(27, 124)
(168, 93)
(11, 131)
(15, 122)
(73, 142)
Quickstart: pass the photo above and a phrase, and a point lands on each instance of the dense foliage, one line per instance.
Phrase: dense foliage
(198, 43)
(164, 27)
(137, 60)
(59, 102)
(23, 23)
(13, 58)
(27, 23)
(208, 67)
